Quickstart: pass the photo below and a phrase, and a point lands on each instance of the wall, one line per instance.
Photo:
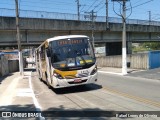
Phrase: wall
(137, 61)
(3, 66)
(13, 65)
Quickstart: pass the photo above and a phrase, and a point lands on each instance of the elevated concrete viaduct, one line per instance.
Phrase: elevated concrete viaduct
(35, 30)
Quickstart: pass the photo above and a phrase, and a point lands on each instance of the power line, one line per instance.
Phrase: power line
(100, 8)
(140, 4)
(46, 7)
(91, 5)
(98, 5)
(46, 2)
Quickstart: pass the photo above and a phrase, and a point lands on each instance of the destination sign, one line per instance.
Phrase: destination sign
(65, 42)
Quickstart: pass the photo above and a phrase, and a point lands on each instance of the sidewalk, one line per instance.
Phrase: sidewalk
(152, 74)
(16, 93)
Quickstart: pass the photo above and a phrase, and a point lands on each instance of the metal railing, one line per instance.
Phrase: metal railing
(67, 16)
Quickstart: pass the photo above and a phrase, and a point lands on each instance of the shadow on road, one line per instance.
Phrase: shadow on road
(75, 89)
(60, 113)
(2, 78)
(29, 69)
(27, 107)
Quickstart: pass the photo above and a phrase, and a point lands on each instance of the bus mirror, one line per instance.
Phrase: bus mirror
(48, 52)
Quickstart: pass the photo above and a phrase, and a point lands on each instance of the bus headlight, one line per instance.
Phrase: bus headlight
(57, 75)
(94, 71)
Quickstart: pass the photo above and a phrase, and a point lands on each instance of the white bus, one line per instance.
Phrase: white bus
(65, 61)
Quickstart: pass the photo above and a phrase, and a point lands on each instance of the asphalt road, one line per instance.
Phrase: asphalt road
(153, 74)
(110, 93)
(139, 87)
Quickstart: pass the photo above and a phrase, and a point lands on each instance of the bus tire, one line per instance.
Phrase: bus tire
(39, 76)
(47, 82)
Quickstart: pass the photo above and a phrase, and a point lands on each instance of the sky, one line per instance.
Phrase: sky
(140, 8)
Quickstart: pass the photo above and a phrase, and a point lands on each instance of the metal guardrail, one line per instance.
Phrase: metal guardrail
(67, 16)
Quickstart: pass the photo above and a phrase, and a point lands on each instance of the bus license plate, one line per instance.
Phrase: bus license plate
(77, 80)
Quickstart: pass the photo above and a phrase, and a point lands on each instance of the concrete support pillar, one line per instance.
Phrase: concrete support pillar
(129, 43)
(26, 36)
(129, 47)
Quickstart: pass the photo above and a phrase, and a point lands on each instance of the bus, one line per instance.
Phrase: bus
(65, 61)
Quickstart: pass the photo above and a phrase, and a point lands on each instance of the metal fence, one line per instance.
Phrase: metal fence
(68, 16)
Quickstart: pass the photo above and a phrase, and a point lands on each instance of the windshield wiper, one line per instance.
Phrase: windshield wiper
(80, 55)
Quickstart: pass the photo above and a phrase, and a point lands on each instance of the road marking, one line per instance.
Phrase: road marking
(153, 103)
(24, 92)
(133, 77)
(35, 101)
(110, 72)
(38, 107)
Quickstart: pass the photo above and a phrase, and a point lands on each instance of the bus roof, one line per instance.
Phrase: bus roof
(62, 37)
(65, 37)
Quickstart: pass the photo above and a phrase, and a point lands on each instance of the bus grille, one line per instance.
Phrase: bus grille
(72, 82)
(79, 76)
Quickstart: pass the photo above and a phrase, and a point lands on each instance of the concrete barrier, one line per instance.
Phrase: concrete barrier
(136, 61)
(3, 66)
(140, 61)
(13, 66)
(8, 65)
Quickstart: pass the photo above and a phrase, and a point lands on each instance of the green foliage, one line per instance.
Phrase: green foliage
(152, 46)
(146, 47)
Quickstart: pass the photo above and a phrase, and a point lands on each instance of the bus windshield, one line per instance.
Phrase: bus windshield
(73, 53)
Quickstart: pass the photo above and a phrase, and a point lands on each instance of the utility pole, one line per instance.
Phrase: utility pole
(18, 39)
(124, 50)
(107, 24)
(92, 17)
(149, 24)
(78, 12)
(149, 17)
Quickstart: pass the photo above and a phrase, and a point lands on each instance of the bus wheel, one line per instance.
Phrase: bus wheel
(41, 79)
(39, 76)
(47, 82)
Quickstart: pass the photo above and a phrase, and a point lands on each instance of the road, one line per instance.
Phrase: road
(110, 93)
(138, 87)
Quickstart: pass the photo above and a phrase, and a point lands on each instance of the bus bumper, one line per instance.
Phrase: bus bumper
(61, 83)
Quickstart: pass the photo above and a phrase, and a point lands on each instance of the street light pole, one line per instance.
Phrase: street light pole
(18, 39)
(78, 12)
(149, 17)
(124, 50)
(92, 17)
(107, 24)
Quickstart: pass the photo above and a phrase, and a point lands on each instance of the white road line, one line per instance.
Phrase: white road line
(133, 77)
(24, 92)
(110, 72)
(33, 95)
(37, 105)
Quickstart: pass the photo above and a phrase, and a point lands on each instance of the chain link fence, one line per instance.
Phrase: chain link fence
(68, 16)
